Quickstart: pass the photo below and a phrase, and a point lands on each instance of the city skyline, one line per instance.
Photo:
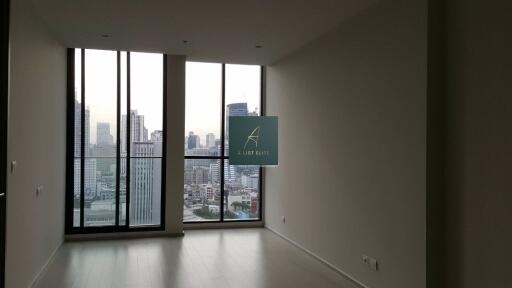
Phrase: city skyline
(233, 109)
(146, 87)
(203, 89)
(100, 173)
(202, 193)
(202, 186)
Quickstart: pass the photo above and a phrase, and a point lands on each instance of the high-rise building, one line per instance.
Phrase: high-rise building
(104, 148)
(78, 130)
(250, 181)
(229, 173)
(157, 136)
(145, 186)
(103, 136)
(138, 132)
(145, 173)
(202, 175)
(210, 140)
(189, 175)
(193, 141)
(215, 172)
(235, 109)
(89, 164)
(144, 134)
(90, 183)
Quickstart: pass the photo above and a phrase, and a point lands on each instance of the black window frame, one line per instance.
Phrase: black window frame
(223, 157)
(70, 152)
(4, 111)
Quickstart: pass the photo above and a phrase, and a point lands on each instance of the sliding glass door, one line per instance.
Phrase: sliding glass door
(116, 141)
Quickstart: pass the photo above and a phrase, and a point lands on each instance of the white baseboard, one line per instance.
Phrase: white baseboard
(323, 261)
(45, 266)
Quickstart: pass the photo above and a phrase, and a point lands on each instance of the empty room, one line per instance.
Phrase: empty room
(255, 144)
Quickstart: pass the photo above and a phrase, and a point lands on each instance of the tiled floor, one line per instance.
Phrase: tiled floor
(227, 258)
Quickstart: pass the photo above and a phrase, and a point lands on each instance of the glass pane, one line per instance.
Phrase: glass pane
(145, 189)
(146, 101)
(122, 179)
(201, 191)
(122, 192)
(78, 136)
(100, 191)
(100, 137)
(203, 98)
(124, 99)
(76, 193)
(243, 93)
(78, 102)
(146, 138)
(101, 101)
(241, 192)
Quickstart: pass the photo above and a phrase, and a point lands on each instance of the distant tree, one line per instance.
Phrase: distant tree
(230, 215)
(204, 212)
(236, 205)
(245, 206)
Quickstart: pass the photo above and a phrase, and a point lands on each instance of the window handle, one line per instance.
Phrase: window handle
(2, 195)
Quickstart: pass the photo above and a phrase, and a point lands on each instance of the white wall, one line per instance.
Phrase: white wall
(37, 141)
(175, 133)
(352, 170)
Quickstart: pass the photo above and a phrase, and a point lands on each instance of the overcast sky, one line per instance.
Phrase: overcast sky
(203, 90)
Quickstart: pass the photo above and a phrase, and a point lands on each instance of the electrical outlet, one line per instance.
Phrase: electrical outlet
(39, 190)
(374, 265)
(13, 166)
(371, 262)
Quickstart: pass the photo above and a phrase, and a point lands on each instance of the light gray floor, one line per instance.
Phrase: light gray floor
(227, 258)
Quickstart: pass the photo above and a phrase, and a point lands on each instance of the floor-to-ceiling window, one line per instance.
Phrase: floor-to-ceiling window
(214, 190)
(116, 141)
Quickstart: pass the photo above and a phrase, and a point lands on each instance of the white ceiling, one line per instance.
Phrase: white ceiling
(217, 30)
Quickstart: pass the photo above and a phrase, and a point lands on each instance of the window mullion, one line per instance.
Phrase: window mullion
(128, 139)
(163, 169)
(118, 137)
(222, 141)
(82, 140)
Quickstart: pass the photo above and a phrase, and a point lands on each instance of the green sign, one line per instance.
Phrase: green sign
(252, 140)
